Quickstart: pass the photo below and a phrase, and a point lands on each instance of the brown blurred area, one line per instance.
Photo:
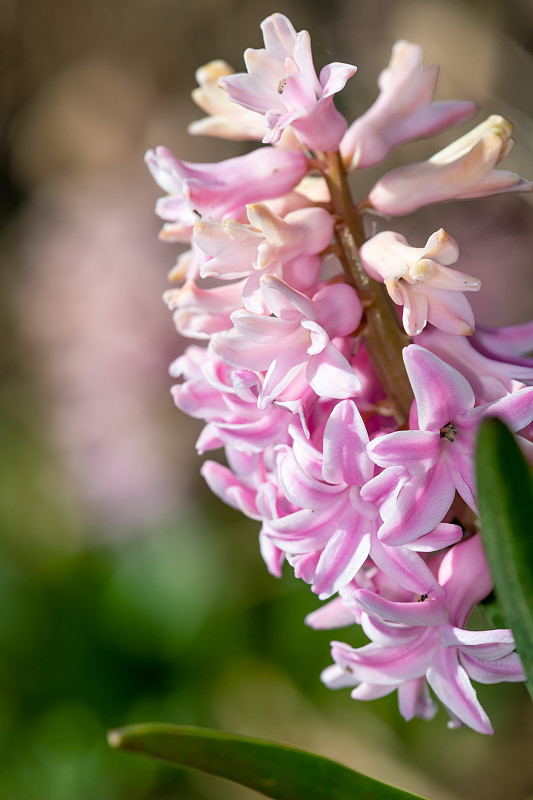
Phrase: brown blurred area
(86, 416)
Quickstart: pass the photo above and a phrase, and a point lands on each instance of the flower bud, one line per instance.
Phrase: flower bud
(463, 170)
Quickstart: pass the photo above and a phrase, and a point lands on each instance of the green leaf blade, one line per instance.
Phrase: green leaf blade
(505, 487)
(275, 770)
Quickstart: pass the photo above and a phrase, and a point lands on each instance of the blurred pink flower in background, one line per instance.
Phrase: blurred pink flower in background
(90, 310)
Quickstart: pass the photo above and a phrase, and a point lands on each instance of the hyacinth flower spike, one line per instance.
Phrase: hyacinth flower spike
(351, 445)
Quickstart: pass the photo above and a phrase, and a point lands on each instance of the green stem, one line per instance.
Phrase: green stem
(384, 340)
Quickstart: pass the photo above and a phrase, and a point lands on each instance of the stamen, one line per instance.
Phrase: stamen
(448, 431)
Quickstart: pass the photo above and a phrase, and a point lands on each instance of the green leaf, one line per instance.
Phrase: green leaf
(278, 771)
(505, 486)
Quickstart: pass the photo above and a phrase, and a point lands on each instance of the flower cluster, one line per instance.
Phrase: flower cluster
(348, 437)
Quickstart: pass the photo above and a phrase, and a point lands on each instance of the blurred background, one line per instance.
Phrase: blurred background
(127, 592)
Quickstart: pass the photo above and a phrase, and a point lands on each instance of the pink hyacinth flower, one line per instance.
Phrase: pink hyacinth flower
(489, 377)
(419, 279)
(296, 338)
(463, 170)
(248, 486)
(415, 642)
(403, 111)
(422, 469)
(227, 400)
(282, 84)
(511, 344)
(226, 119)
(333, 533)
(221, 190)
(199, 313)
(289, 247)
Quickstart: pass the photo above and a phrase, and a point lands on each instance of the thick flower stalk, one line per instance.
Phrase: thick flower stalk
(348, 428)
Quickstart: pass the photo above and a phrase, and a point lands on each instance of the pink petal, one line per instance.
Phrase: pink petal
(283, 369)
(385, 485)
(440, 391)
(414, 700)
(260, 329)
(406, 567)
(450, 312)
(452, 686)
(345, 440)
(335, 677)
(516, 409)
(303, 531)
(465, 575)
(421, 505)
(461, 465)
(387, 665)
(238, 351)
(338, 309)
(444, 535)
(334, 76)
(371, 691)
(430, 612)
(304, 565)
(341, 559)
(322, 126)
(331, 615)
(508, 668)
(330, 375)
(283, 299)
(452, 279)
(300, 488)
(271, 555)
(415, 309)
(507, 343)
(229, 488)
(279, 35)
(387, 634)
(406, 448)
(487, 645)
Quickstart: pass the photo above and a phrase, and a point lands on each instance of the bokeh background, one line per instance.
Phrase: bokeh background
(127, 593)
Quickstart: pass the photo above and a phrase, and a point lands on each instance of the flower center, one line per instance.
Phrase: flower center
(448, 431)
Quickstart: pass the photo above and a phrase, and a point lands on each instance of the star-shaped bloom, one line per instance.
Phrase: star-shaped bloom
(419, 279)
(226, 119)
(422, 469)
(282, 84)
(227, 400)
(287, 246)
(295, 339)
(333, 534)
(415, 642)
